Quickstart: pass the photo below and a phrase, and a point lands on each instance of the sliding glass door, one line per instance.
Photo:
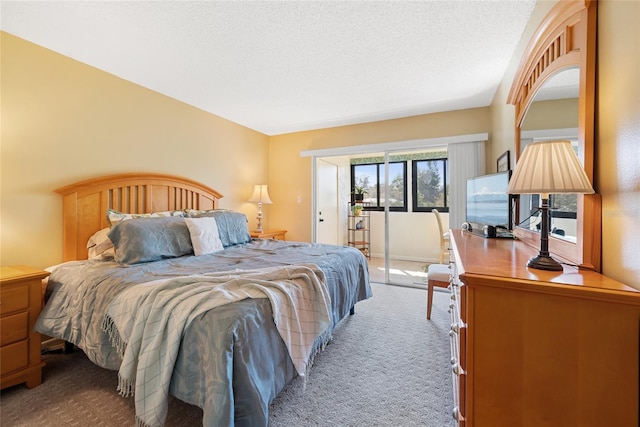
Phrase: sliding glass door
(404, 182)
(402, 188)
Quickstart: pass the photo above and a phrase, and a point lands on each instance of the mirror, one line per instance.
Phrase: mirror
(552, 115)
(554, 97)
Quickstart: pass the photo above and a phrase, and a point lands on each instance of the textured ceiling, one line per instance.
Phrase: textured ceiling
(284, 66)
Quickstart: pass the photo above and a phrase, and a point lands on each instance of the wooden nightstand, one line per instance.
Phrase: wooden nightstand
(20, 305)
(270, 234)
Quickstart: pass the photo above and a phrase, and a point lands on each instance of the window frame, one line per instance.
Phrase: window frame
(379, 172)
(414, 186)
(440, 155)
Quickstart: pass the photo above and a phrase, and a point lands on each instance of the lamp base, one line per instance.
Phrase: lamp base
(544, 262)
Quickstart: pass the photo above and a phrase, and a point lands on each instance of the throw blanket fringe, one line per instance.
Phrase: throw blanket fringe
(324, 340)
(146, 324)
(125, 387)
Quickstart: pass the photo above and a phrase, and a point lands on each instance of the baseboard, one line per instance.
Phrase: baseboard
(412, 259)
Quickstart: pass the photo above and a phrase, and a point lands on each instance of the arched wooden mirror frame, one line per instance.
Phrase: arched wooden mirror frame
(566, 38)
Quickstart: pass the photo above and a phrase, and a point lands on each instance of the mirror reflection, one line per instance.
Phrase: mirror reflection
(552, 115)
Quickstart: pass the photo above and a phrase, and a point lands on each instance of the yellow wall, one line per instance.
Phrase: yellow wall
(618, 137)
(63, 121)
(290, 175)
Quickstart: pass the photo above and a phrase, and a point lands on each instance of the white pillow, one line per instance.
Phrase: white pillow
(204, 235)
(100, 246)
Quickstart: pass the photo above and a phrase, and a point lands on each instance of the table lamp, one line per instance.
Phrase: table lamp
(548, 167)
(260, 196)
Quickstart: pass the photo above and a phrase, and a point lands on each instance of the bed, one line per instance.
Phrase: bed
(230, 358)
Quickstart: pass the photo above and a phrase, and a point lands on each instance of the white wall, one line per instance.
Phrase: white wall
(412, 236)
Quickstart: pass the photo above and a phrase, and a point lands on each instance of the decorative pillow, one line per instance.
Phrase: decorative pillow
(100, 246)
(114, 217)
(204, 235)
(150, 239)
(232, 226)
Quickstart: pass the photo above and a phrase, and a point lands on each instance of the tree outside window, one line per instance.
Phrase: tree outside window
(430, 186)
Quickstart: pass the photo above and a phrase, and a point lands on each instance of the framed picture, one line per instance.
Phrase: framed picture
(503, 163)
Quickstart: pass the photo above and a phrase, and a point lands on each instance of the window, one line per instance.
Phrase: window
(429, 185)
(371, 177)
(428, 181)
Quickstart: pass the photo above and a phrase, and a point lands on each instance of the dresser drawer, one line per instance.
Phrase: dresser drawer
(14, 328)
(14, 298)
(457, 335)
(14, 356)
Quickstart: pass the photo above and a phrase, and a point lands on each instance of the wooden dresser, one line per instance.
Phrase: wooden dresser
(20, 305)
(537, 348)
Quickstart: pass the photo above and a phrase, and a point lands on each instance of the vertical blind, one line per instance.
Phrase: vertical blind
(466, 160)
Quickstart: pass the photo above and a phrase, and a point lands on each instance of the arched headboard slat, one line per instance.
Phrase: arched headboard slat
(85, 203)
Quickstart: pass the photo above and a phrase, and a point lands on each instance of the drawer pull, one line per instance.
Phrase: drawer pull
(457, 369)
(456, 414)
(455, 327)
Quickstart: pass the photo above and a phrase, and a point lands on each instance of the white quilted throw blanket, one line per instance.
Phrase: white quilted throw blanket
(146, 323)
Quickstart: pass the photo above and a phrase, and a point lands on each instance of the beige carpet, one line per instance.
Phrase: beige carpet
(386, 366)
(405, 273)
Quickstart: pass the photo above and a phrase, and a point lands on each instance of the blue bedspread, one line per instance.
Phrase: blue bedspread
(232, 362)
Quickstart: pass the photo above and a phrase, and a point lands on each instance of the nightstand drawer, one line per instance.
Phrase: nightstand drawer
(14, 356)
(14, 328)
(14, 298)
(269, 234)
(20, 305)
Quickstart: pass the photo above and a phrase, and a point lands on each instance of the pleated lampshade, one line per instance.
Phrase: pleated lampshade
(549, 167)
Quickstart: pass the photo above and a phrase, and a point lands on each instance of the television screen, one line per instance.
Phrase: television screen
(487, 200)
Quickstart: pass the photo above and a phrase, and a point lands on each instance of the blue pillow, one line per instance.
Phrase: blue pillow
(232, 226)
(150, 239)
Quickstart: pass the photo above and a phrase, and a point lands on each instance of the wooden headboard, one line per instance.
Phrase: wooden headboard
(85, 203)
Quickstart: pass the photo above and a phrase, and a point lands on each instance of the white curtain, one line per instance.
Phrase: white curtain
(466, 160)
